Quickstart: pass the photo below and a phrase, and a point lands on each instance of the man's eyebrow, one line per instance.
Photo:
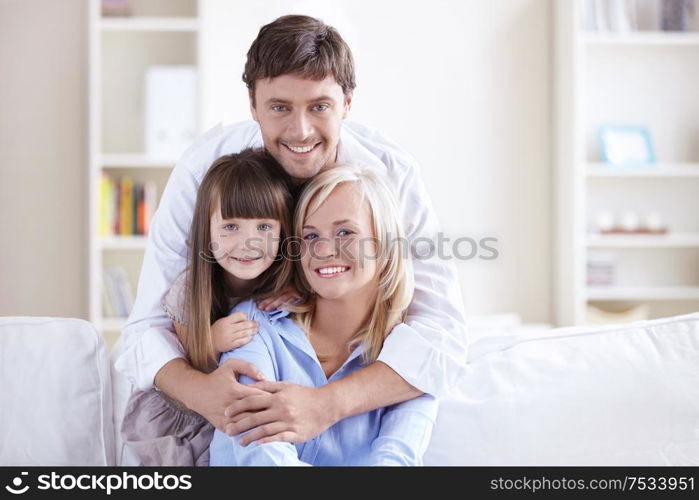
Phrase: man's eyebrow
(278, 100)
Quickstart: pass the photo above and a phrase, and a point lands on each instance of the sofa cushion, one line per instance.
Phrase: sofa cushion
(56, 393)
(615, 395)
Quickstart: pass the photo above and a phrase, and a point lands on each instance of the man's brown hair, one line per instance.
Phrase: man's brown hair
(302, 45)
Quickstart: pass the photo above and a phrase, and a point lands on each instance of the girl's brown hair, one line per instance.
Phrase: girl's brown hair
(250, 184)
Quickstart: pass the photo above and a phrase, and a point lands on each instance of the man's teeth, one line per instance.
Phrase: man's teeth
(304, 149)
(332, 270)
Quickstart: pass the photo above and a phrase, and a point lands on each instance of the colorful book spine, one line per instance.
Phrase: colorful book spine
(126, 207)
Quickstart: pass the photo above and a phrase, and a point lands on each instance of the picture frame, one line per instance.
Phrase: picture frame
(626, 146)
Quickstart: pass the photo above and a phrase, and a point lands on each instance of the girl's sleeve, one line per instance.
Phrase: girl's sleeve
(173, 302)
(406, 429)
(225, 449)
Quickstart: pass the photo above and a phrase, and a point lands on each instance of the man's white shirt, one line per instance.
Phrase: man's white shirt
(428, 350)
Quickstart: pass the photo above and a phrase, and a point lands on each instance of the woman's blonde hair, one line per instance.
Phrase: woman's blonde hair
(394, 268)
(249, 184)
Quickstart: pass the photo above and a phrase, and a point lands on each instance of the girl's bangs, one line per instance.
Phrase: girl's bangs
(246, 193)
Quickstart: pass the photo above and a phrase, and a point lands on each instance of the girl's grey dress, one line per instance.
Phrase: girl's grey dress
(158, 429)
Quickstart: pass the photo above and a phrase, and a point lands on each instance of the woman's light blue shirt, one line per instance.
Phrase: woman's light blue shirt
(395, 435)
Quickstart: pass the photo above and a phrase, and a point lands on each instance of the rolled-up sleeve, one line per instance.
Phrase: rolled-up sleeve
(429, 349)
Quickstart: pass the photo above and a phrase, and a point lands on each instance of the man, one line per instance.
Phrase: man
(300, 76)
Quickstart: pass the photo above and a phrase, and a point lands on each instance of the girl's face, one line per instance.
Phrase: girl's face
(338, 253)
(244, 247)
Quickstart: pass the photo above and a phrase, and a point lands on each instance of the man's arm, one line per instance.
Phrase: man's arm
(295, 413)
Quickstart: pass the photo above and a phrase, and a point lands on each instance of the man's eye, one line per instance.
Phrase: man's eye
(278, 107)
(264, 227)
(320, 107)
(230, 227)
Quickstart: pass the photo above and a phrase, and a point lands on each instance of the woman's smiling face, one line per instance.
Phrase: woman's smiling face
(338, 253)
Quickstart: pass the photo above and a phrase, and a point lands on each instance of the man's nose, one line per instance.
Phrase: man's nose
(300, 127)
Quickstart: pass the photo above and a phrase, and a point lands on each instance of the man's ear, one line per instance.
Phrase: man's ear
(348, 105)
(253, 111)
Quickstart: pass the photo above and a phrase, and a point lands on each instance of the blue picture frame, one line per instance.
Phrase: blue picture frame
(626, 146)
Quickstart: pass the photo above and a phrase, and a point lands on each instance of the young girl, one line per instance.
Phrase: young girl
(237, 247)
(355, 281)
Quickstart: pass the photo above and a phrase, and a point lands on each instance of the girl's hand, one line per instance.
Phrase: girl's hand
(274, 302)
(232, 331)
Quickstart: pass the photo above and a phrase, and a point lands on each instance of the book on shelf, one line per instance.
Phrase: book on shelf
(615, 16)
(126, 206)
(117, 295)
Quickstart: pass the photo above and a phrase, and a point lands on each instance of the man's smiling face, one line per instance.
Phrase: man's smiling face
(300, 121)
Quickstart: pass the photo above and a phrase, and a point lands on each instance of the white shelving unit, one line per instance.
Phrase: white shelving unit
(158, 32)
(647, 78)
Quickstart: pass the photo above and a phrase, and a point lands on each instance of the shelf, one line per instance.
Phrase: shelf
(134, 161)
(113, 324)
(649, 38)
(123, 242)
(671, 240)
(633, 293)
(152, 24)
(681, 170)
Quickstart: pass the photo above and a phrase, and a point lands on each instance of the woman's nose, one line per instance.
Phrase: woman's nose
(323, 248)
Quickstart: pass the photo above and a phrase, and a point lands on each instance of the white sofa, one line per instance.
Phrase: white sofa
(618, 395)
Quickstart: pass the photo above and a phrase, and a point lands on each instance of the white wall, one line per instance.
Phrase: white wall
(465, 87)
(43, 102)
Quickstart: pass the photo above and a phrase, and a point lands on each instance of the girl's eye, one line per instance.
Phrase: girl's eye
(230, 227)
(320, 107)
(264, 227)
(310, 236)
(278, 107)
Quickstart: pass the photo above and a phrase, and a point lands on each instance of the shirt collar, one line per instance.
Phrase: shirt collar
(304, 344)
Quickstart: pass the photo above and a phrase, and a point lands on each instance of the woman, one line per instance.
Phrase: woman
(355, 282)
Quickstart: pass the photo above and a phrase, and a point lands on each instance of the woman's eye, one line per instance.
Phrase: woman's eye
(344, 232)
(320, 107)
(278, 107)
(230, 227)
(310, 236)
(264, 227)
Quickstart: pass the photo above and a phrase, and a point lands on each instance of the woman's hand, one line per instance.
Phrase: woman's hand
(232, 331)
(274, 302)
(285, 412)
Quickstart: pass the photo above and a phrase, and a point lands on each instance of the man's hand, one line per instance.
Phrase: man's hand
(284, 412)
(274, 302)
(208, 394)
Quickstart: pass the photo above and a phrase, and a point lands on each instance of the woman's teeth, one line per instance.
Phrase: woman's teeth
(325, 271)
